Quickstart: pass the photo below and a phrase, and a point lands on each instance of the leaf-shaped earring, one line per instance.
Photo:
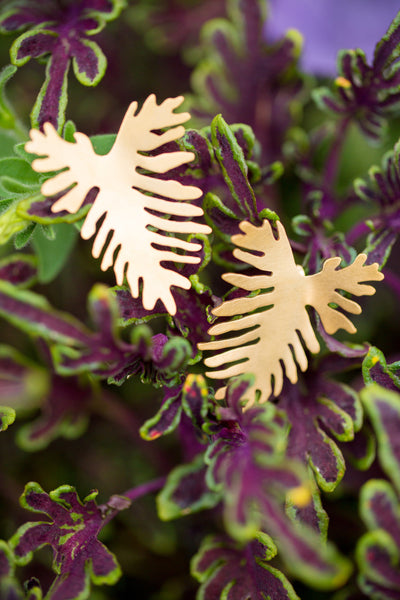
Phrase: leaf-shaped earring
(275, 335)
(123, 198)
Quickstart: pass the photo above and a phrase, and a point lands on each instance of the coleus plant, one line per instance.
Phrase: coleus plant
(101, 389)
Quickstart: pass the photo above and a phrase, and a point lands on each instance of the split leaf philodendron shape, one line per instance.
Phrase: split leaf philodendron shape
(275, 334)
(123, 200)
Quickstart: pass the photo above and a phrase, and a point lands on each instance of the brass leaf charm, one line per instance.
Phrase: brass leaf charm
(275, 335)
(121, 199)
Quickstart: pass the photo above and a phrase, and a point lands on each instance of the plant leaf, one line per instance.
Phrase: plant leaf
(79, 557)
(228, 571)
(378, 550)
(383, 409)
(246, 464)
(7, 417)
(53, 254)
(186, 491)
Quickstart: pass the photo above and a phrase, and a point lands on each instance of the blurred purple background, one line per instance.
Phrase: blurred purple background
(329, 25)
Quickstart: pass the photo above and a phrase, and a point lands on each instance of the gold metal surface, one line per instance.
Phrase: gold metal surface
(272, 338)
(123, 198)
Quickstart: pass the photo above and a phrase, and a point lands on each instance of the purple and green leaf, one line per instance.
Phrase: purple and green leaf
(192, 397)
(64, 413)
(76, 349)
(383, 409)
(239, 72)
(366, 94)
(376, 370)
(332, 409)
(79, 558)
(19, 269)
(167, 417)
(59, 34)
(186, 491)
(230, 571)
(377, 552)
(246, 462)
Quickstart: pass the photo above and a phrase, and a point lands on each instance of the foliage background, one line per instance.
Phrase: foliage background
(157, 47)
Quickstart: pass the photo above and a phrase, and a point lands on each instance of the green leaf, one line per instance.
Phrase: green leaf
(53, 254)
(23, 237)
(11, 223)
(8, 119)
(18, 169)
(7, 417)
(102, 144)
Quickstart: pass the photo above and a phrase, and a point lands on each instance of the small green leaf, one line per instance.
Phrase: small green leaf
(53, 254)
(7, 417)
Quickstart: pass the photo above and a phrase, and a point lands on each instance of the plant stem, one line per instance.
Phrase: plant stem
(116, 503)
(332, 163)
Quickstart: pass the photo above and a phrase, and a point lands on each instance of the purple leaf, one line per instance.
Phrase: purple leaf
(89, 63)
(235, 170)
(316, 230)
(186, 491)
(381, 191)
(379, 245)
(193, 314)
(64, 413)
(377, 550)
(19, 270)
(383, 409)
(246, 465)
(33, 44)
(361, 451)
(195, 400)
(34, 315)
(76, 349)
(61, 32)
(71, 532)
(9, 586)
(192, 396)
(18, 19)
(346, 350)
(231, 572)
(131, 309)
(330, 407)
(376, 370)
(38, 209)
(367, 94)
(167, 418)
(174, 27)
(240, 73)
(52, 99)
(6, 561)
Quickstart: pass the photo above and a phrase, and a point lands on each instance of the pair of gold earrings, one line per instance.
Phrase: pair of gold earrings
(263, 341)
